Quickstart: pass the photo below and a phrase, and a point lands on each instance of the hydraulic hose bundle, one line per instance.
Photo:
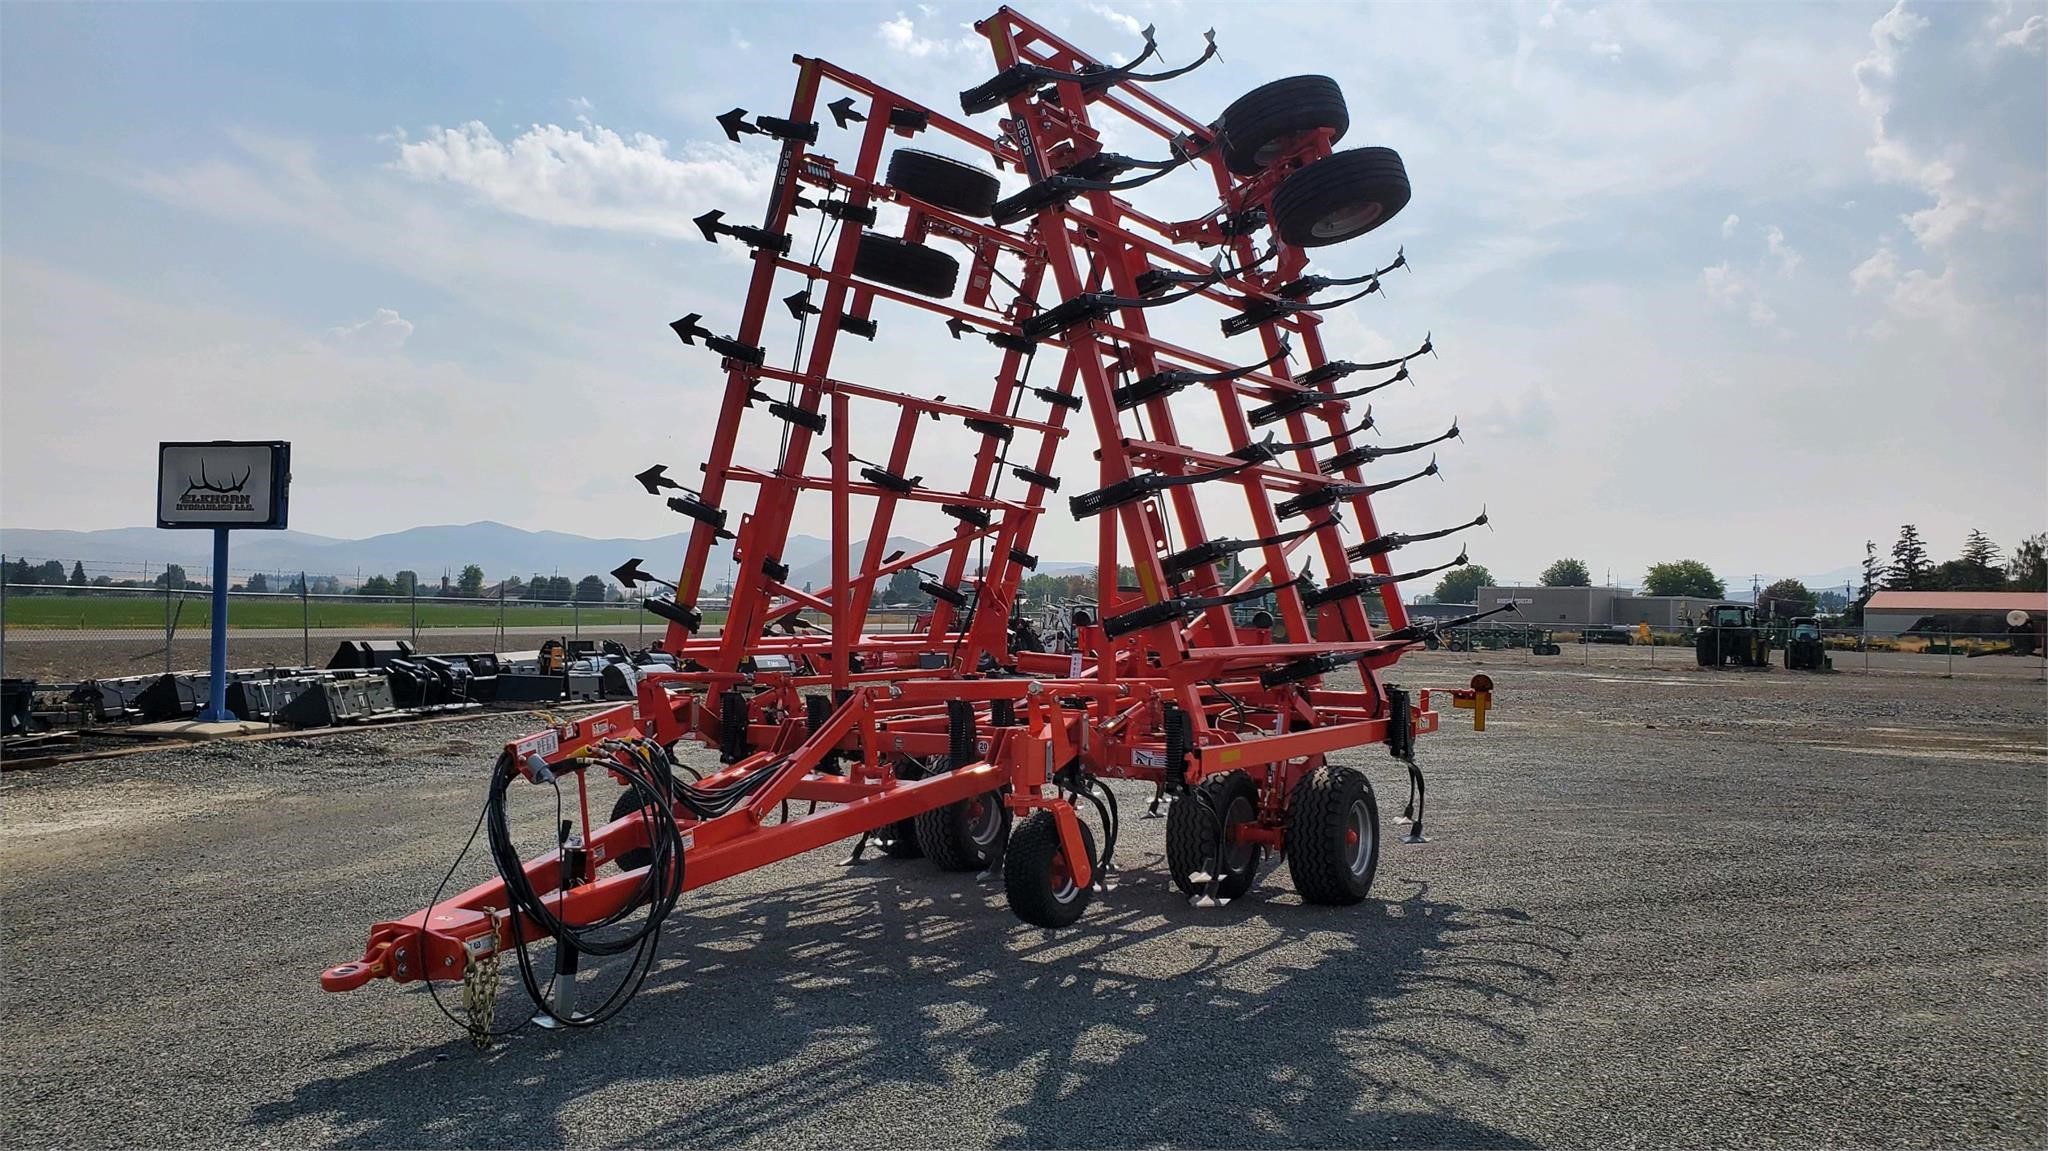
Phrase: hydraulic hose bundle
(647, 770)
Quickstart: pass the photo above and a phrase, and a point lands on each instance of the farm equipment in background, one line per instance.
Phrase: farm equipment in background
(958, 741)
(1730, 634)
(2026, 634)
(1804, 648)
(1543, 641)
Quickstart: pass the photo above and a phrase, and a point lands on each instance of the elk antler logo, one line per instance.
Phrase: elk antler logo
(203, 484)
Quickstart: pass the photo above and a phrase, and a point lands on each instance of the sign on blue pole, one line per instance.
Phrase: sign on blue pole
(222, 485)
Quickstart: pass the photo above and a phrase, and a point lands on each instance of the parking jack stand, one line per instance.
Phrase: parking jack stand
(561, 1004)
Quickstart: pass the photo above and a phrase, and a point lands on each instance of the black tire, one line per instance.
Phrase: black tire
(1333, 836)
(1340, 198)
(942, 182)
(911, 267)
(1270, 119)
(630, 801)
(1191, 832)
(1036, 880)
(965, 836)
(1703, 647)
(898, 840)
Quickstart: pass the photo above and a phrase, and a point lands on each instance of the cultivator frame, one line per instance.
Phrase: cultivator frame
(945, 734)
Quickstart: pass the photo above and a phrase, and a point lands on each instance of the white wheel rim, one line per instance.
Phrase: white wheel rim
(1346, 222)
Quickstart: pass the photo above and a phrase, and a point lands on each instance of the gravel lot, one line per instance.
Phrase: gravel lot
(1660, 906)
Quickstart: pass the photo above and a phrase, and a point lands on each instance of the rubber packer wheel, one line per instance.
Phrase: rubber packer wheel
(942, 182)
(1036, 877)
(1270, 119)
(1333, 836)
(911, 267)
(899, 839)
(629, 801)
(964, 836)
(1340, 197)
(1191, 834)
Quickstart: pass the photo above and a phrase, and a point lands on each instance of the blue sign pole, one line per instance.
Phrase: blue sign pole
(217, 684)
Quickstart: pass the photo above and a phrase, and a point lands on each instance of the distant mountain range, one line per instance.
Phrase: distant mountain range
(501, 550)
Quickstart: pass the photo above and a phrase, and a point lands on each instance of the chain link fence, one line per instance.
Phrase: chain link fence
(1951, 654)
(106, 621)
(67, 633)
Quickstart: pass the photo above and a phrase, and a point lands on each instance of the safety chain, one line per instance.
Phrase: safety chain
(480, 993)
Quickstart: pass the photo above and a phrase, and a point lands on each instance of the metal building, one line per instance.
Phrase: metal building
(1554, 606)
(1948, 612)
(1663, 612)
(1570, 607)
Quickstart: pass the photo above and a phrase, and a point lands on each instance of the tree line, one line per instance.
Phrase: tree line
(1980, 566)
(470, 584)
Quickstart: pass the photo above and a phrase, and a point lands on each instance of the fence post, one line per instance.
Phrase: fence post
(3, 615)
(1863, 640)
(415, 595)
(576, 619)
(167, 620)
(305, 624)
(501, 615)
(640, 623)
(1951, 652)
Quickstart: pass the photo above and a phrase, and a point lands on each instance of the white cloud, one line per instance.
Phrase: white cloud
(581, 104)
(1896, 160)
(2029, 36)
(1912, 294)
(740, 42)
(1607, 48)
(1722, 282)
(1786, 255)
(1128, 23)
(384, 331)
(590, 177)
(1881, 268)
(1729, 225)
(901, 36)
(1735, 290)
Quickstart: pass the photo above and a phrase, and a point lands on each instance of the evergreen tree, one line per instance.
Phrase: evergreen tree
(1910, 568)
(78, 573)
(2029, 570)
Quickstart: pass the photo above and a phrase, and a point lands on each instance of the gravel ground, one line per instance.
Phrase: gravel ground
(1659, 907)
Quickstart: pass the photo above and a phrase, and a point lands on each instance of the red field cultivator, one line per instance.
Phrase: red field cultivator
(965, 741)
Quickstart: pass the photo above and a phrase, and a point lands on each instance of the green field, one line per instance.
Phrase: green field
(45, 612)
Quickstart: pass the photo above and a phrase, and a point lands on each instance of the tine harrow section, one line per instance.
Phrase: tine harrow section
(983, 739)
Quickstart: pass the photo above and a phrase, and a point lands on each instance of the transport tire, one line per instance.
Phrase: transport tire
(911, 267)
(942, 182)
(1703, 647)
(1036, 877)
(967, 835)
(1333, 836)
(1191, 834)
(1341, 197)
(1267, 121)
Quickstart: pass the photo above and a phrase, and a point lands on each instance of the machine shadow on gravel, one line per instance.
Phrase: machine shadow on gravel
(1283, 1026)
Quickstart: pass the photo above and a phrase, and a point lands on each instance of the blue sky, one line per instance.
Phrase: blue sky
(1745, 282)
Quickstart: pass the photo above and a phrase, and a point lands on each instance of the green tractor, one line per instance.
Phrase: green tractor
(1804, 650)
(1731, 634)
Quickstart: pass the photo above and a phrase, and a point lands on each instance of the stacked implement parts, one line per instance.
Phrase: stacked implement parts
(966, 742)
